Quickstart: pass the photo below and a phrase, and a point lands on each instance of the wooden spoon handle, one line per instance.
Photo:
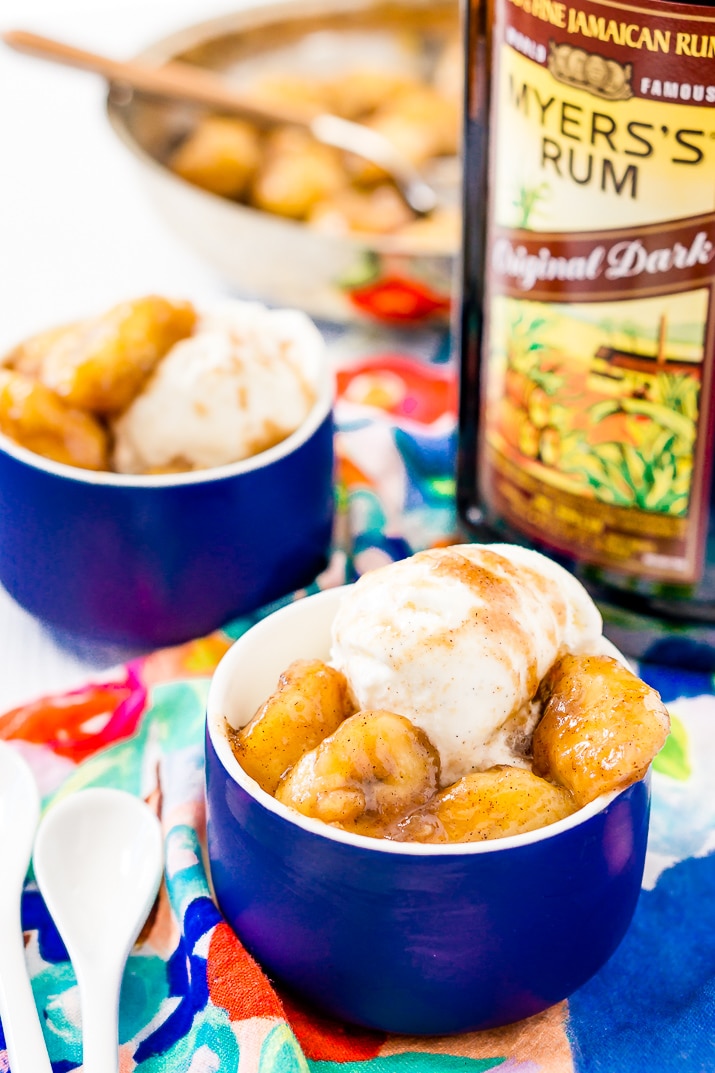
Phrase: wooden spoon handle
(199, 86)
(177, 80)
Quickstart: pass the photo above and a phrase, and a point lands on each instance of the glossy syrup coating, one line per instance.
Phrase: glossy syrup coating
(296, 174)
(221, 155)
(38, 419)
(309, 704)
(420, 122)
(376, 773)
(28, 356)
(285, 171)
(100, 364)
(486, 804)
(376, 767)
(601, 726)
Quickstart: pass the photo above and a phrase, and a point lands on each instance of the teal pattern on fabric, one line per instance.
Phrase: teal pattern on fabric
(190, 882)
(190, 1001)
(280, 1053)
(210, 1046)
(411, 1062)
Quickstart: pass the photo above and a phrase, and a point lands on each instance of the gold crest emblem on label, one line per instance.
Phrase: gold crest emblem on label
(602, 77)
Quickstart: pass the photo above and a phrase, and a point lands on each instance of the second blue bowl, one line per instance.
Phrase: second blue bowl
(150, 561)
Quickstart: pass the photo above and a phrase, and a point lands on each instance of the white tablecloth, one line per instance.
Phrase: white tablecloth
(76, 234)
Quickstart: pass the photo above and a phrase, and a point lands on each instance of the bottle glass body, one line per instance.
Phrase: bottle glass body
(587, 412)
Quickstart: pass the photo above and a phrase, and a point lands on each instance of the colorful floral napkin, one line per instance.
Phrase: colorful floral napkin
(193, 1001)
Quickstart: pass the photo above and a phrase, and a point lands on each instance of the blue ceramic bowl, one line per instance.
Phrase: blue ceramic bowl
(413, 939)
(155, 560)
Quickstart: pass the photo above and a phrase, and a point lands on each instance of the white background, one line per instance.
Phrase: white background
(76, 234)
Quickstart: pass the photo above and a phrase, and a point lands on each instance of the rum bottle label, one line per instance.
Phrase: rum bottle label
(599, 338)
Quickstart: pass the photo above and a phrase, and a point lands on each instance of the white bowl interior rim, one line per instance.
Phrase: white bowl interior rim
(318, 412)
(295, 620)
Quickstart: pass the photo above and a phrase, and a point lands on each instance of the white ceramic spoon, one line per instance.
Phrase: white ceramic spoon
(98, 863)
(19, 813)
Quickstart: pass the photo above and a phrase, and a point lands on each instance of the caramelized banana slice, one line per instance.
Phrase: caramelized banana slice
(375, 767)
(379, 211)
(100, 364)
(221, 155)
(311, 701)
(421, 124)
(486, 804)
(292, 89)
(38, 419)
(296, 174)
(355, 94)
(27, 357)
(600, 729)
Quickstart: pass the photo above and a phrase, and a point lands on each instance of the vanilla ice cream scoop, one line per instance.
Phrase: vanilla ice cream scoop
(245, 380)
(457, 639)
